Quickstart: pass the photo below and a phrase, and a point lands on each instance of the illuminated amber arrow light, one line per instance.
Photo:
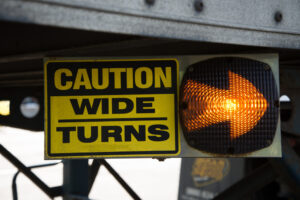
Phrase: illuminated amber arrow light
(242, 105)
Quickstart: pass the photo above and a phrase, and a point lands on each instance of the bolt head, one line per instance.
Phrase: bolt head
(278, 16)
(198, 4)
(150, 2)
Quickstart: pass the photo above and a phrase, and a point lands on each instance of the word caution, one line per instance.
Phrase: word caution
(114, 108)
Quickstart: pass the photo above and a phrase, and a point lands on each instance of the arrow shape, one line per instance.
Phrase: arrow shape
(242, 105)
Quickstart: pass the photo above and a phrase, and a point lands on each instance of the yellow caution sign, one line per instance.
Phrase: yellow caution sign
(111, 108)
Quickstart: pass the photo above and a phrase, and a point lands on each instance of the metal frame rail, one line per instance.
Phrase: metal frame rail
(269, 23)
(51, 192)
(14, 181)
(286, 168)
(59, 190)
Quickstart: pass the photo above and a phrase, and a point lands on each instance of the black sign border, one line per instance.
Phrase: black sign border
(117, 154)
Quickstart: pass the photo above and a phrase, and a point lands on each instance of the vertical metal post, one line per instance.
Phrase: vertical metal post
(76, 179)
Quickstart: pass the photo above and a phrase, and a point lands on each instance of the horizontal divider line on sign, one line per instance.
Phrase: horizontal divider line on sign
(111, 119)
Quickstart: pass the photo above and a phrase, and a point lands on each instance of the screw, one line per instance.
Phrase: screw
(278, 16)
(150, 2)
(198, 4)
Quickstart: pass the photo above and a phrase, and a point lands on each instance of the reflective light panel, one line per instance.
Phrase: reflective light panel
(229, 105)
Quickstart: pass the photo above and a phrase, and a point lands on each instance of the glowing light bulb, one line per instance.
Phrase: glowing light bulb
(230, 105)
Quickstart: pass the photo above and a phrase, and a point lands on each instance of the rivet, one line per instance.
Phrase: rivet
(278, 16)
(150, 2)
(198, 4)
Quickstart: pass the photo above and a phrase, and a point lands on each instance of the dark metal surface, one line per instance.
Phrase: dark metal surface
(288, 167)
(51, 192)
(24, 53)
(285, 169)
(290, 86)
(16, 95)
(75, 179)
(204, 178)
(250, 184)
(93, 171)
(230, 22)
